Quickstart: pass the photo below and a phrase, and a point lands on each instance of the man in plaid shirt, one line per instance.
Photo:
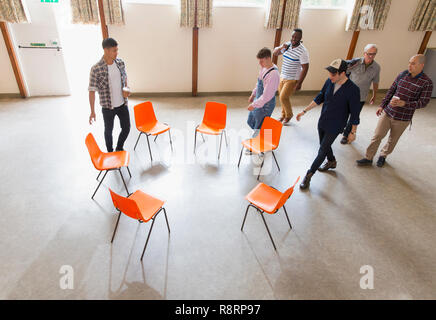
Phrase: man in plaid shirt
(411, 90)
(109, 78)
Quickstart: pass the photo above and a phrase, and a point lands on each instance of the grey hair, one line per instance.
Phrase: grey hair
(369, 46)
(421, 58)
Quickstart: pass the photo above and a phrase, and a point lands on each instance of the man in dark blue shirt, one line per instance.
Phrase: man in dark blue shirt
(341, 98)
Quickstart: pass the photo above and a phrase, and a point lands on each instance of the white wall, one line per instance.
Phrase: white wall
(158, 52)
(43, 69)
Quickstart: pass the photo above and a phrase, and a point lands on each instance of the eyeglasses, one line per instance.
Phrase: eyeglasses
(371, 54)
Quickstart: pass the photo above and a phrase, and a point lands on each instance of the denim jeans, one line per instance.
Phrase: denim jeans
(109, 116)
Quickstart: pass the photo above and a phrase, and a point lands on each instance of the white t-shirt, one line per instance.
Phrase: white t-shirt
(293, 58)
(115, 85)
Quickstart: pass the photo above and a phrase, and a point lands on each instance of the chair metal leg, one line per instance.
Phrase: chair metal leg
(145, 246)
(261, 214)
(116, 226)
(261, 167)
(240, 156)
(137, 141)
(275, 160)
(122, 178)
(195, 138)
(245, 217)
(171, 141)
(203, 138)
(128, 170)
(165, 212)
(99, 184)
(149, 149)
(284, 208)
(99, 175)
(225, 137)
(221, 140)
(155, 138)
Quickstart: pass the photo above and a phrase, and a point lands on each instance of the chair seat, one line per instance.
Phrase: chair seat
(147, 205)
(208, 129)
(264, 197)
(113, 160)
(154, 129)
(255, 145)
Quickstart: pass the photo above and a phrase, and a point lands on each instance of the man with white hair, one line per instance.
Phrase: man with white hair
(363, 71)
(411, 90)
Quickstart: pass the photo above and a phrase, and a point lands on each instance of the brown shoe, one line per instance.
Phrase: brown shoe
(328, 165)
(306, 181)
(280, 119)
(286, 120)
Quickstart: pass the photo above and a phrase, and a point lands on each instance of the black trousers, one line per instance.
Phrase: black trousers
(347, 129)
(109, 116)
(325, 149)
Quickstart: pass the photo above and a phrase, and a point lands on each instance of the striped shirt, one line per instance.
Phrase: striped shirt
(293, 58)
(415, 91)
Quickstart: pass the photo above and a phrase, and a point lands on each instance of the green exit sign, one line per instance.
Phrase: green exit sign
(50, 1)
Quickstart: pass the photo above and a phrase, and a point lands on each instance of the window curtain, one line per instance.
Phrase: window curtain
(275, 11)
(369, 15)
(113, 12)
(12, 11)
(204, 13)
(424, 18)
(86, 11)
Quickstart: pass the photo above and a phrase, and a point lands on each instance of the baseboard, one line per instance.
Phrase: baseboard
(9, 95)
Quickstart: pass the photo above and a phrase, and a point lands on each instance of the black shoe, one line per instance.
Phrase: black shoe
(306, 181)
(119, 149)
(364, 162)
(344, 140)
(381, 161)
(328, 165)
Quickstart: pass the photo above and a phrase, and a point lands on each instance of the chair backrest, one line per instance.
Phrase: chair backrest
(126, 205)
(272, 130)
(144, 114)
(93, 149)
(285, 196)
(215, 114)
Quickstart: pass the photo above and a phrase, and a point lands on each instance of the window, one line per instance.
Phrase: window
(327, 4)
(239, 3)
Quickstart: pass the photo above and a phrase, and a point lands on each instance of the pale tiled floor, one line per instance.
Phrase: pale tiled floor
(351, 217)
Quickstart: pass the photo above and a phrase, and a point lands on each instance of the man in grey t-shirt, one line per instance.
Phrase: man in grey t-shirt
(363, 71)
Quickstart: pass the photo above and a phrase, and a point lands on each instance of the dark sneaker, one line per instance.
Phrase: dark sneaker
(344, 140)
(364, 162)
(328, 165)
(381, 161)
(306, 181)
(119, 150)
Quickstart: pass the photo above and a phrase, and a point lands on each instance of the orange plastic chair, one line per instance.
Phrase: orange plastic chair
(107, 161)
(147, 124)
(214, 122)
(139, 206)
(268, 199)
(268, 139)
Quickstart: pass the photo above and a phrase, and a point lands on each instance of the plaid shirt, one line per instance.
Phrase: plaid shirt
(416, 92)
(99, 81)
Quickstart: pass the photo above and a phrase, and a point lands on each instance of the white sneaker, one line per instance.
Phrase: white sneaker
(248, 152)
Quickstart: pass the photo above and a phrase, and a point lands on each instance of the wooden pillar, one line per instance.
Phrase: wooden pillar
(195, 54)
(353, 44)
(279, 32)
(424, 42)
(13, 58)
(104, 29)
